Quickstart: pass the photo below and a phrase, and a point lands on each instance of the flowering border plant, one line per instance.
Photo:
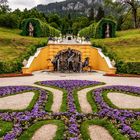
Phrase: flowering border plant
(72, 119)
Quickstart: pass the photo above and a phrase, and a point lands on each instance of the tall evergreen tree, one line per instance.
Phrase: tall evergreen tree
(100, 14)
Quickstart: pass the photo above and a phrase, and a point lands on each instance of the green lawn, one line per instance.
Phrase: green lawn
(13, 45)
(126, 45)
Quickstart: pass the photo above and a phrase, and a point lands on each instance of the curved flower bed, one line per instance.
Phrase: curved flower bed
(73, 128)
(121, 118)
(72, 119)
(19, 118)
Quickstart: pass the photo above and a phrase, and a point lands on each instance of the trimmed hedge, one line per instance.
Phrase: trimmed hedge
(122, 67)
(41, 29)
(96, 30)
(88, 32)
(16, 65)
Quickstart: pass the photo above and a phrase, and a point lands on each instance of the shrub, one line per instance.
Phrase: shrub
(122, 67)
(9, 20)
(88, 32)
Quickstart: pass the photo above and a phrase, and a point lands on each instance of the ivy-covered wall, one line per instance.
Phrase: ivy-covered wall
(41, 29)
(97, 30)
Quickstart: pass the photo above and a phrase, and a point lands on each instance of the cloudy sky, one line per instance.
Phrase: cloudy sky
(22, 4)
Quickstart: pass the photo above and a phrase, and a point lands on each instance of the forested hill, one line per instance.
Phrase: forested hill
(78, 7)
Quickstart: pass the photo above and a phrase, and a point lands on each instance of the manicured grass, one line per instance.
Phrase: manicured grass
(76, 101)
(28, 134)
(104, 123)
(13, 45)
(49, 102)
(91, 101)
(126, 46)
(30, 106)
(5, 127)
(108, 101)
(64, 102)
(136, 125)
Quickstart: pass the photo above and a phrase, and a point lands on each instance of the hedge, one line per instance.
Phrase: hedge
(41, 29)
(15, 66)
(95, 30)
(122, 67)
(88, 32)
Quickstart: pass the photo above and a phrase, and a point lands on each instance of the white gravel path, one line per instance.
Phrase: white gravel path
(82, 97)
(123, 101)
(44, 76)
(99, 133)
(46, 132)
(16, 102)
(57, 98)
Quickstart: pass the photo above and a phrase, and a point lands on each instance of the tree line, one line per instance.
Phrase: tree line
(125, 12)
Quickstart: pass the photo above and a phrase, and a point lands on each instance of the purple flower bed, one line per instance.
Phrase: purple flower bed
(26, 116)
(120, 115)
(69, 86)
(23, 120)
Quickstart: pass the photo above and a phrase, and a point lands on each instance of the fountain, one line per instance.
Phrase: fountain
(69, 60)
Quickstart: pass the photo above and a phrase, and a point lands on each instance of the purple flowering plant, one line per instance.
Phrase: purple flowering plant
(24, 119)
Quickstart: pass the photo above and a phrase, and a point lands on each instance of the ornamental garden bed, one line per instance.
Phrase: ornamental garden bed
(14, 75)
(123, 75)
(72, 124)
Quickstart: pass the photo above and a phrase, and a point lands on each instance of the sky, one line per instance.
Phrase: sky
(22, 4)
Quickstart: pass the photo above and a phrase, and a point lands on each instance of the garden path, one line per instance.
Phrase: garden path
(124, 101)
(44, 76)
(99, 133)
(16, 102)
(46, 132)
(82, 97)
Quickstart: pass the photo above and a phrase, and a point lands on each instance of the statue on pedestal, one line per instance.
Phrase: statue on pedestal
(31, 29)
(25, 62)
(107, 32)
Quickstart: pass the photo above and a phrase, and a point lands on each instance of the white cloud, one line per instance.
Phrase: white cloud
(22, 4)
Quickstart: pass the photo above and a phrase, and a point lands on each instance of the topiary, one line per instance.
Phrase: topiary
(41, 29)
(100, 28)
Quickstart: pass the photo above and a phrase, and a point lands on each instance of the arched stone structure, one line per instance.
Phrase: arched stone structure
(105, 28)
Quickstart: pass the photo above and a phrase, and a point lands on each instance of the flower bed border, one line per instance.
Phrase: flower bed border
(123, 75)
(33, 128)
(104, 123)
(6, 127)
(14, 75)
(136, 125)
(76, 100)
(63, 107)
